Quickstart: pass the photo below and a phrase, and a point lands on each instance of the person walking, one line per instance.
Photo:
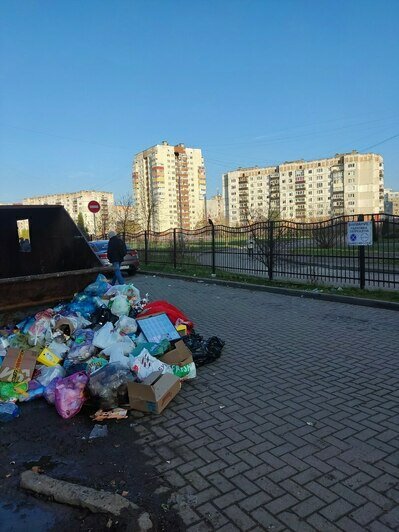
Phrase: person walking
(116, 252)
(250, 248)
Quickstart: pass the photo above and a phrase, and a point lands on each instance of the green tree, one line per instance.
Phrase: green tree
(81, 225)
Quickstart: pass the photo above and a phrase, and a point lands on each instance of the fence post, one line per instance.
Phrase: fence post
(174, 249)
(145, 248)
(213, 248)
(271, 249)
(362, 260)
(375, 231)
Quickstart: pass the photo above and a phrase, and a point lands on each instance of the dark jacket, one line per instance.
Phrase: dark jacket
(116, 249)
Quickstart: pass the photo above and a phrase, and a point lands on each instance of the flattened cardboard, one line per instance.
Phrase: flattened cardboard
(157, 327)
(154, 393)
(180, 355)
(18, 365)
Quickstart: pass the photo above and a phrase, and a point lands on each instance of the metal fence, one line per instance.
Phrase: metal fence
(281, 250)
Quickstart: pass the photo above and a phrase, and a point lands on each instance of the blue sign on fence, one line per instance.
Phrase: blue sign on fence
(360, 234)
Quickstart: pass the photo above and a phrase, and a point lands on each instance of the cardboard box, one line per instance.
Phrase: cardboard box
(154, 393)
(180, 355)
(18, 365)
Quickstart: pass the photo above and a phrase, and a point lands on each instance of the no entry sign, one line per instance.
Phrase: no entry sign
(93, 206)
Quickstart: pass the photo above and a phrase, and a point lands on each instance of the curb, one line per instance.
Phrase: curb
(349, 300)
(83, 497)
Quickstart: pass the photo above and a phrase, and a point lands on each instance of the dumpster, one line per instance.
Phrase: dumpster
(44, 256)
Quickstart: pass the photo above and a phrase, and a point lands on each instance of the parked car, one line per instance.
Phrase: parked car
(130, 262)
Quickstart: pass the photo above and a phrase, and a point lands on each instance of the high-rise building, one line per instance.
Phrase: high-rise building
(391, 202)
(169, 187)
(349, 183)
(215, 209)
(77, 202)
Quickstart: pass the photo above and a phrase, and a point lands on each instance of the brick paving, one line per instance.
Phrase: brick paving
(296, 426)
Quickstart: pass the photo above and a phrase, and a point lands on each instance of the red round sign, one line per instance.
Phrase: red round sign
(93, 206)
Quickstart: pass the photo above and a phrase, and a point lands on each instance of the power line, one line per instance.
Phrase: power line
(381, 142)
(63, 137)
(266, 139)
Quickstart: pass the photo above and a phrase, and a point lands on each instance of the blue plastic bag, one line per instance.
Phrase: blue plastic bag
(83, 304)
(99, 287)
(35, 390)
(8, 411)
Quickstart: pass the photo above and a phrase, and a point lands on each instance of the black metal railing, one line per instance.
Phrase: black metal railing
(315, 252)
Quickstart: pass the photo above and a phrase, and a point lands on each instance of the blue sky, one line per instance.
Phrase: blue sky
(86, 85)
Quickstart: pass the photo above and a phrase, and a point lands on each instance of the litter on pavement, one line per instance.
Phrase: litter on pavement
(108, 347)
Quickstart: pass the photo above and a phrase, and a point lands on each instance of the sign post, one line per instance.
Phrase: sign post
(360, 234)
(94, 207)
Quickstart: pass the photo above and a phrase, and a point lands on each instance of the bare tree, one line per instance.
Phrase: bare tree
(151, 213)
(329, 234)
(267, 233)
(125, 221)
(147, 204)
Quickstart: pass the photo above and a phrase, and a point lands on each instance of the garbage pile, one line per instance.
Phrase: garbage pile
(108, 345)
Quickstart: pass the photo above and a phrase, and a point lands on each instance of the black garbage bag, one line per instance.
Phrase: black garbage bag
(204, 351)
(101, 316)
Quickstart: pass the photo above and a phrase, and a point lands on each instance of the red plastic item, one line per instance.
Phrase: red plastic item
(173, 313)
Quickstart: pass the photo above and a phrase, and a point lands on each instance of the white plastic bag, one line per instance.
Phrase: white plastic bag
(47, 374)
(38, 331)
(145, 364)
(117, 354)
(128, 290)
(140, 339)
(120, 306)
(126, 325)
(127, 343)
(58, 348)
(103, 337)
(123, 342)
(114, 290)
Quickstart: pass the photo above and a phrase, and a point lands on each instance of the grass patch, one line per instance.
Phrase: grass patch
(204, 272)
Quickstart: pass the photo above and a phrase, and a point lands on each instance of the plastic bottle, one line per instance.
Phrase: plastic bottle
(8, 411)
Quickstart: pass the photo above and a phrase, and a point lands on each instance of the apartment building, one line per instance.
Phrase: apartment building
(391, 202)
(349, 183)
(215, 209)
(77, 202)
(169, 186)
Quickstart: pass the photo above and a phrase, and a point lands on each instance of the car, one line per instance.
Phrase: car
(130, 262)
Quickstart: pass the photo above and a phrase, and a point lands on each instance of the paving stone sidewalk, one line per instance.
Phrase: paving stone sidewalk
(296, 426)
